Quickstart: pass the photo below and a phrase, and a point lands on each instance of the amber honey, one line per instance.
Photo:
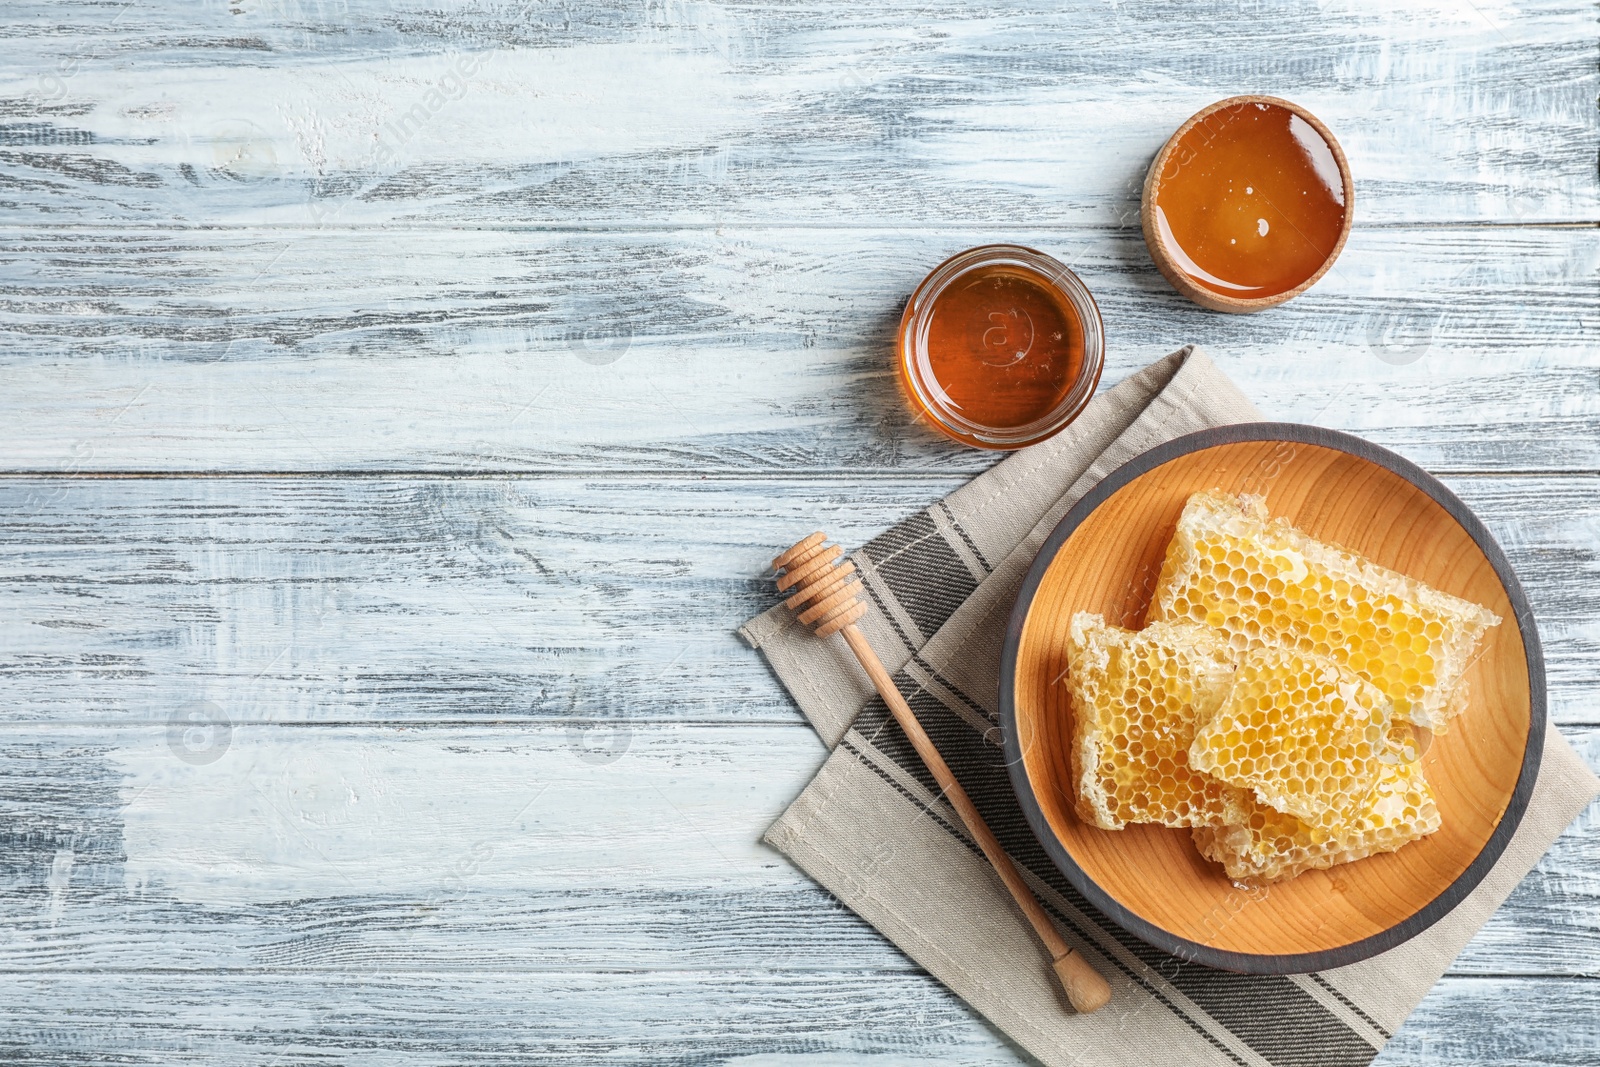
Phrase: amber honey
(1000, 346)
(1248, 202)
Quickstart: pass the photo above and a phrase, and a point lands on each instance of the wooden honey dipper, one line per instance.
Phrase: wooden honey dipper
(825, 596)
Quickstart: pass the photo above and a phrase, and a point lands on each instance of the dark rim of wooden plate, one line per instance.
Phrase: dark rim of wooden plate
(1265, 963)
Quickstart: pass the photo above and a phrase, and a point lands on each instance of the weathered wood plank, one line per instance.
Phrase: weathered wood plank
(427, 599)
(716, 113)
(477, 849)
(601, 262)
(1549, 927)
(729, 1016)
(1500, 1021)
(335, 600)
(1469, 348)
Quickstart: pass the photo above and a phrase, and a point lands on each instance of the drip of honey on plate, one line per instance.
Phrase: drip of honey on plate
(1004, 347)
(1251, 201)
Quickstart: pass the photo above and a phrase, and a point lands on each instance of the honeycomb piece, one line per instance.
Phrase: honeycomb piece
(1263, 582)
(1259, 844)
(1305, 735)
(1136, 699)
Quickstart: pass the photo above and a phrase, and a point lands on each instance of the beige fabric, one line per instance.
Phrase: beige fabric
(870, 829)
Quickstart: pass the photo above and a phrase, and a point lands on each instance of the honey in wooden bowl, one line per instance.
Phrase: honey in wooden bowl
(1000, 346)
(1248, 204)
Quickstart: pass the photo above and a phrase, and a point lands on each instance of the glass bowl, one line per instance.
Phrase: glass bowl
(984, 321)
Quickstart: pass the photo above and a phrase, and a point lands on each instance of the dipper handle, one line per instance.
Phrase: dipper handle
(826, 597)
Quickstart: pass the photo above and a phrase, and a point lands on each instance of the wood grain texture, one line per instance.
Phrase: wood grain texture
(510, 847)
(1471, 348)
(717, 113)
(394, 600)
(125, 862)
(318, 851)
(737, 1016)
(1546, 929)
(631, 247)
(1339, 490)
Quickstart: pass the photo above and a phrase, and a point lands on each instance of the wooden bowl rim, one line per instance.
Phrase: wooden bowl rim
(1272, 963)
(1179, 280)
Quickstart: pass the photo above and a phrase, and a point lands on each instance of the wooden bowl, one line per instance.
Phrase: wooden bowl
(1163, 256)
(1105, 556)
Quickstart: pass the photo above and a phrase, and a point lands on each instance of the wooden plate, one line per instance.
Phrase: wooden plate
(1105, 555)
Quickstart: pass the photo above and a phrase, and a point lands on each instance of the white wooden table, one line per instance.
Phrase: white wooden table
(418, 388)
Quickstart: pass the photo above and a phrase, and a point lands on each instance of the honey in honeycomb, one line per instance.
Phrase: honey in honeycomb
(1136, 701)
(1303, 734)
(1259, 844)
(1264, 583)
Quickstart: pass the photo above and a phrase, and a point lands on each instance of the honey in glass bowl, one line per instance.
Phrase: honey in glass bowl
(1248, 204)
(1001, 346)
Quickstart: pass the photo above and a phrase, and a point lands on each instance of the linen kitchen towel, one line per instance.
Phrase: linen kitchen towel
(872, 829)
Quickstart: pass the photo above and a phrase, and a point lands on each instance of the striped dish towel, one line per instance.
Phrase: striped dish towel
(872, 830)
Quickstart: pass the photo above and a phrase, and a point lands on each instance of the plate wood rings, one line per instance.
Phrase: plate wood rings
(1104, 557)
